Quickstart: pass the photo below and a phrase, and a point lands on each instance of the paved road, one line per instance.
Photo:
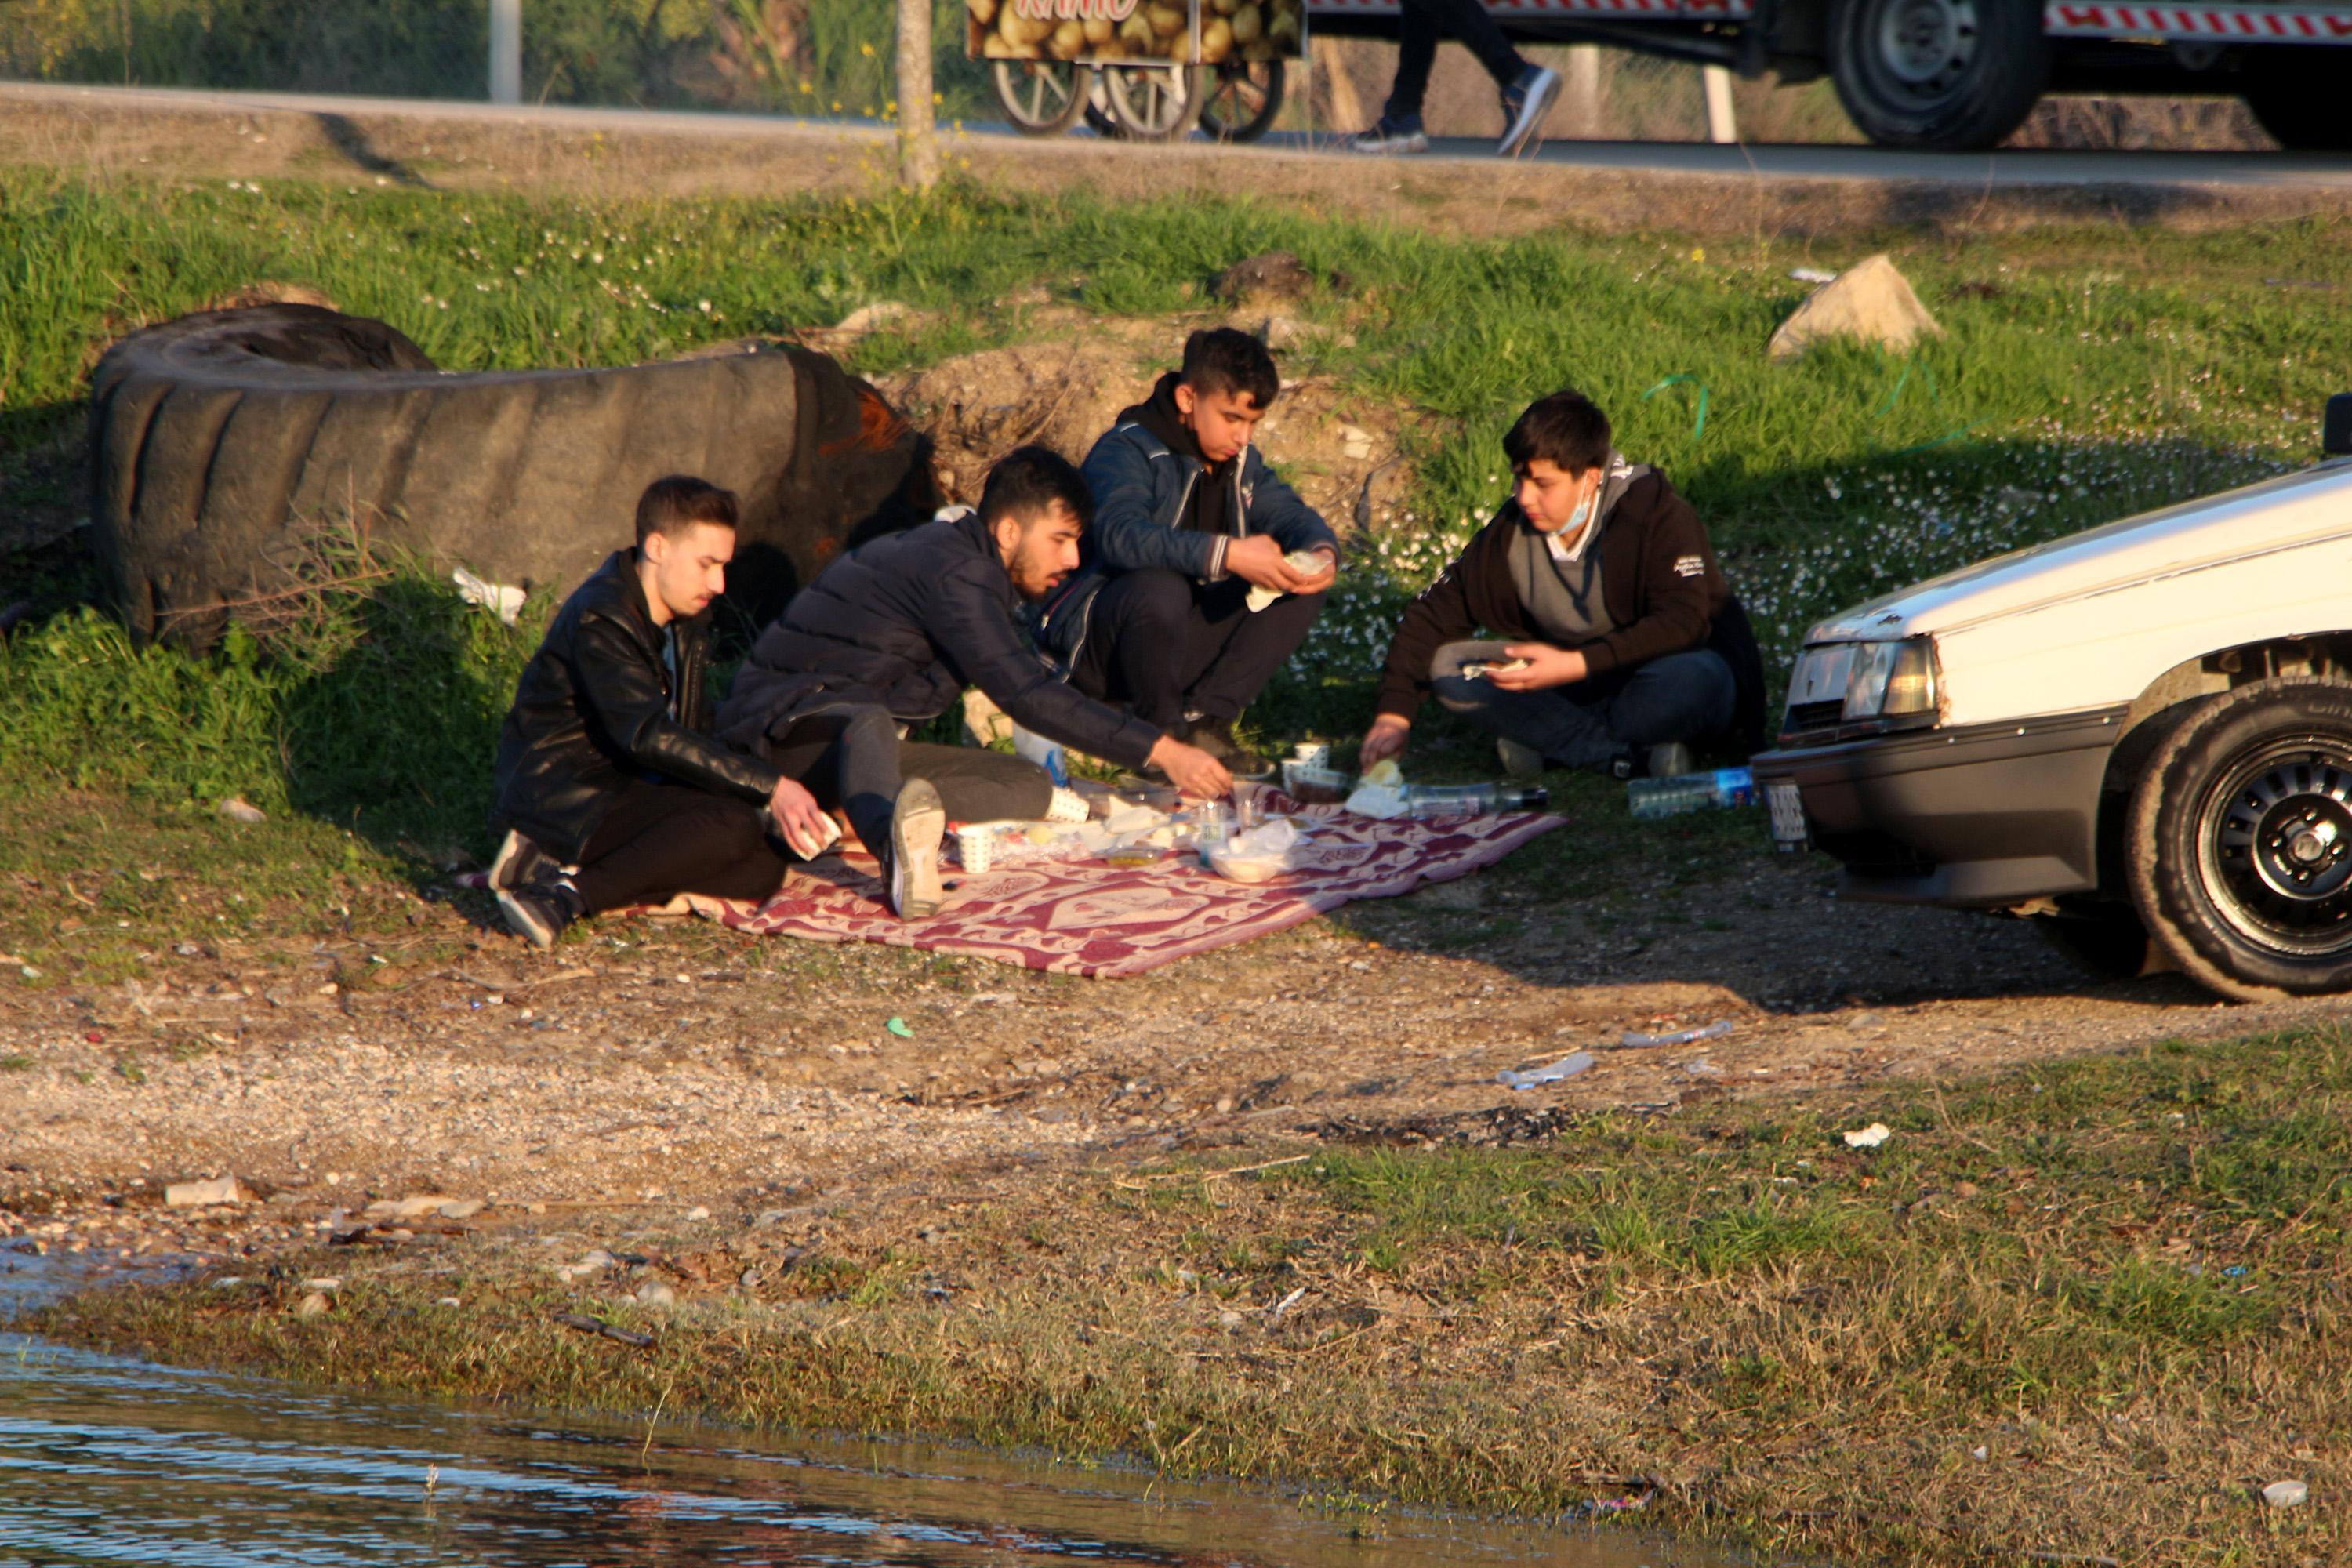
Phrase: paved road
(2274, 171)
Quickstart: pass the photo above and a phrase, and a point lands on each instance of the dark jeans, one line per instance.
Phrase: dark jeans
(1163, 647)
(855, 759)
(660, 840)
(1681, 697)
(1419, 25)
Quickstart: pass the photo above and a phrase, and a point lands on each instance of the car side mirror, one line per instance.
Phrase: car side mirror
(2335, 430)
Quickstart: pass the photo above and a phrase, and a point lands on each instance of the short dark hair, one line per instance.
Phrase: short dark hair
(1028, 480)
(673, 504)
(1226, 359)
(1567, 429)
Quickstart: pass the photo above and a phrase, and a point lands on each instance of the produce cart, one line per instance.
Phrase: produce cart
(1149, 69)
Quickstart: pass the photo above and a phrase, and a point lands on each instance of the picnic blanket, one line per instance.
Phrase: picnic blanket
(1088, 917)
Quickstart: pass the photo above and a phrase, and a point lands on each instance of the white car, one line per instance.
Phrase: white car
(2140, 732)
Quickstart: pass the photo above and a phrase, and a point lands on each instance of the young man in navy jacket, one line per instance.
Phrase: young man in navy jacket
(1188, 521)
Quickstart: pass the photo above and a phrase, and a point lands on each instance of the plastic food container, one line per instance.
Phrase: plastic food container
(1246, 868)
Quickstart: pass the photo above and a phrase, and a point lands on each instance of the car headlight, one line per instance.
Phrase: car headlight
(1892, 680)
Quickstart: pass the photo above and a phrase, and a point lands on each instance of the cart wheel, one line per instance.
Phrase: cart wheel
(1157, 103)
(1099, 120)
(1040, 97)
(1243, 101)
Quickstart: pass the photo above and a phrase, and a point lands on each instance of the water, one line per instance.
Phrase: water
(106, 1460)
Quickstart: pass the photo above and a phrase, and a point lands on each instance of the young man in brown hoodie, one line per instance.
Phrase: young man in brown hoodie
(1618, 641)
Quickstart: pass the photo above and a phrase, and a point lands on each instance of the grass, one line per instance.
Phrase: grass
(2075, 1309)
(2085, 373)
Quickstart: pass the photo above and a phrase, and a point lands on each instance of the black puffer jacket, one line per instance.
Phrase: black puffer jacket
(906, 623)
(595, 707)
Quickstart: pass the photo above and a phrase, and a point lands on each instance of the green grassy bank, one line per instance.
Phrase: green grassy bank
(2075, 1313)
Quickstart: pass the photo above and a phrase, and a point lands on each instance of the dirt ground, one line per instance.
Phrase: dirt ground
(452, 153)
(685, 1070)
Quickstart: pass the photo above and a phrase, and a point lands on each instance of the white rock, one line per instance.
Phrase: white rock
(2286, 1494)
(697, 1212)
(311, 1306)
(1869, 301)
(324, 1282)
(873, 317)
(464, 1208)
(237, 808)
(654, 1293)
(197, 1195)
(1869, 1137)
(413, 1208)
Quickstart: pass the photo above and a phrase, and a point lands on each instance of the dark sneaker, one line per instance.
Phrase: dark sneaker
(1215, 736)
(1525, 103)
(1670, 761)
(1520, 761)
(519, 862)
(917, 823)
(1391, 138)
(538, 912)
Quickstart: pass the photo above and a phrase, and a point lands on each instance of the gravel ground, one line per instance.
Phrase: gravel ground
(676, 1071)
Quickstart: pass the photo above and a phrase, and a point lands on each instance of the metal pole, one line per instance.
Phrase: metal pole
(1721, 126)
(505, 51)
(919, 143)
(1584, 88)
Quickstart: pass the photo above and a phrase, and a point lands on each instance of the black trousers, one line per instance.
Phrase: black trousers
(1420, 24)
(855, 760)
(659, 840)
(1163, 647)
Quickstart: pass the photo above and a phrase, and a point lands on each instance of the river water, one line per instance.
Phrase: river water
(107, 1460)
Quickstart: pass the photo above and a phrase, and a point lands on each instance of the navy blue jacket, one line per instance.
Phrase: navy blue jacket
(906, 623)
(1141, 489)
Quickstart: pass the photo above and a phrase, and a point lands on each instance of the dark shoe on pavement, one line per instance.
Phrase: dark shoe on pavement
(1389, 138)
(538, 911)
(519, 863)
(1525, 103)
(1215, 736)
(918, 824)
(1520, 761)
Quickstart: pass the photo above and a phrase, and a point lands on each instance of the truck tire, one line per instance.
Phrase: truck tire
(2239, 844)
(2297, 95)
(1939, 75)
(221, 441)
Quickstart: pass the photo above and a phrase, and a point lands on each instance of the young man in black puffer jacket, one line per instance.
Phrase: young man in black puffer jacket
(1617, 641)
(891, 634)
(610, 790)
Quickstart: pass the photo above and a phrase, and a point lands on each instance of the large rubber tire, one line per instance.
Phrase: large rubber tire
(1244, 100)
(1938, 75)
(2239, 845)
(1040, 97)
(2297, 95)
(222, 441)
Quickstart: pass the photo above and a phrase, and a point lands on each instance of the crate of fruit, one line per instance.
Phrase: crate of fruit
(1153, 70)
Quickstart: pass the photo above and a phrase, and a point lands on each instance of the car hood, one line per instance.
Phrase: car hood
(2280, 513)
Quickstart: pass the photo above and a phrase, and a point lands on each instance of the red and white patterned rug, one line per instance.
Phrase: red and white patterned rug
(1088, 917)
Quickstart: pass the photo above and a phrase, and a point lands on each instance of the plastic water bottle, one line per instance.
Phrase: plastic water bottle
(1649, 798)
(1031, 747)
(1472, 800)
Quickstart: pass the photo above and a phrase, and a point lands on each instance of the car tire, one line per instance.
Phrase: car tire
(2107, 943)
(2239, 843)
(1938, 75)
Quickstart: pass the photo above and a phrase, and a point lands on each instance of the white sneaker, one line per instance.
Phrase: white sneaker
(1525, 104)
(918, 824)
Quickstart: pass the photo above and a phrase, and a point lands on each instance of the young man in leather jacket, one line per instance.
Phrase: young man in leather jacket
(1189, 521)
(610, 788)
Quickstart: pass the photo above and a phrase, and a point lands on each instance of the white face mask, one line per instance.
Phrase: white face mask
(1583, 515)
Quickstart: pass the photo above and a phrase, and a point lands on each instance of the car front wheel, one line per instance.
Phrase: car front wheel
(2240, 841)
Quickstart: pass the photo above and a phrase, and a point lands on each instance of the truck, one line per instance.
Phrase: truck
(1935, 75)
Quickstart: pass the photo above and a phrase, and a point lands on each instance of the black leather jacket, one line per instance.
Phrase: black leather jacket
(595, 707)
